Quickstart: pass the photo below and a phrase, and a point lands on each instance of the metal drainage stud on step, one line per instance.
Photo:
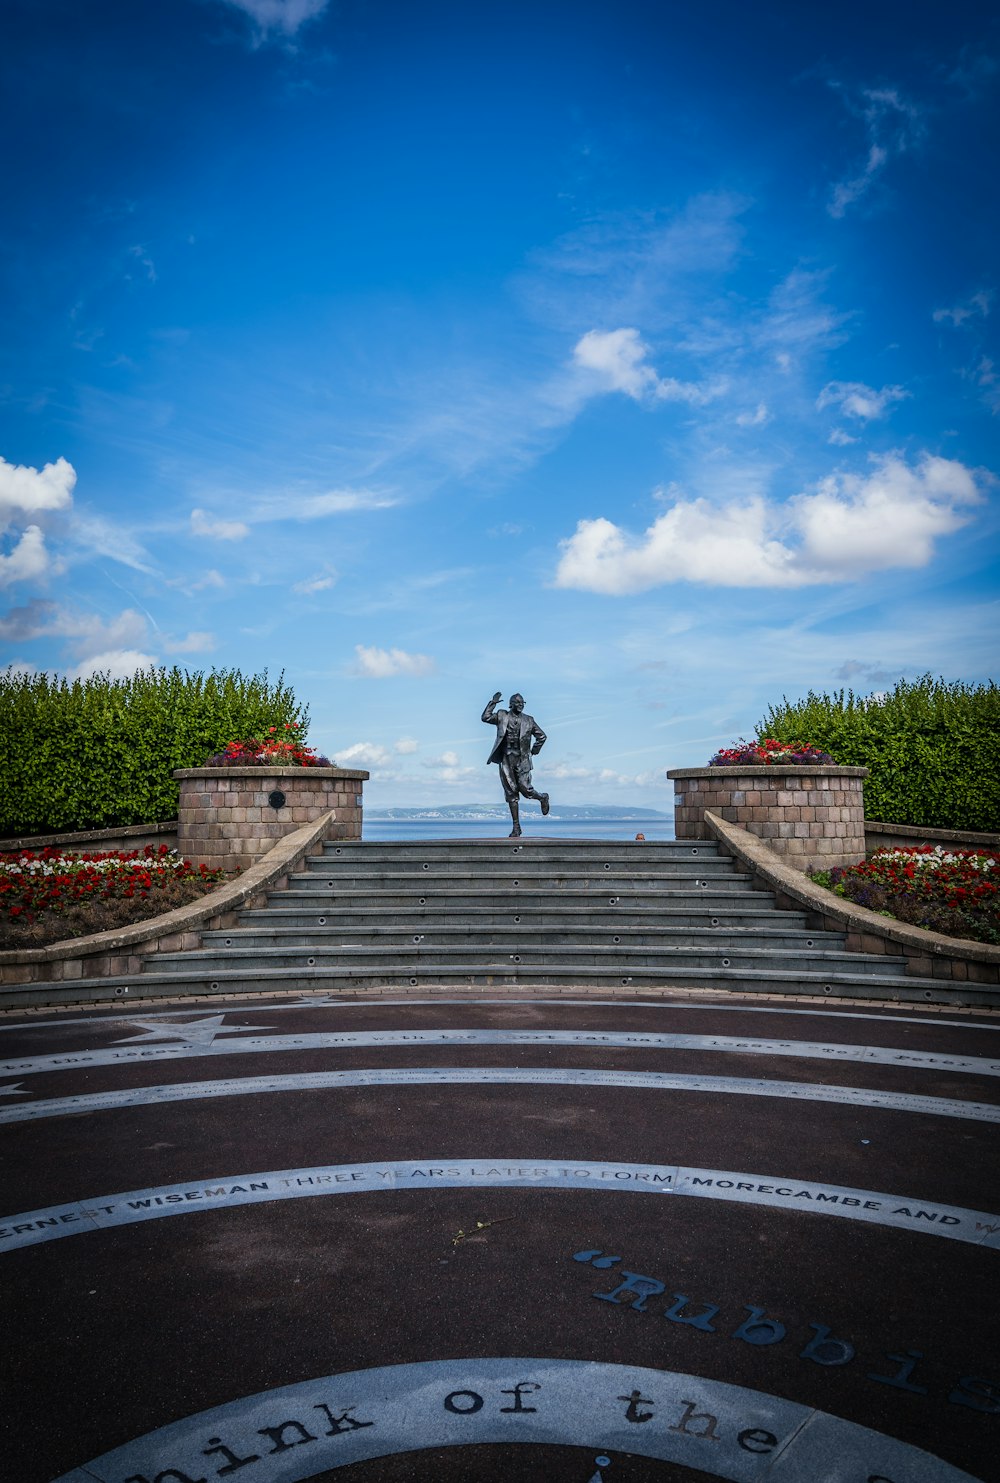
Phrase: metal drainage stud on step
(607, 867)
(809, 942)
(321, 921)
(612, 900)
(828, 988)
(626, 980)
(725, 962)
(422, 901)
(413, 983)
(517, 921)
(927, 993)
(515, 957)
(616, 940)
(694, 852)
(214, 986)
(338, 852)
(310, 962)
(517, 883)
(715, 921)
(121, 990)
(418, 937)
(229, 942)
(425, 867)
(330, 884)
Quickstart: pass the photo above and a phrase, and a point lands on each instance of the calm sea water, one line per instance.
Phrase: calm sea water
(377, 829)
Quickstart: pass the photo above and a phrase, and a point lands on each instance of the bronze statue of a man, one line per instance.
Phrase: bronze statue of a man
(513, 752)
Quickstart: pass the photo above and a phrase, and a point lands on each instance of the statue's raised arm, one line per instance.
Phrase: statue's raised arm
(489, 708)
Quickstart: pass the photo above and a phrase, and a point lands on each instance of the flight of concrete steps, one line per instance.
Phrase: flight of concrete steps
(502, 913)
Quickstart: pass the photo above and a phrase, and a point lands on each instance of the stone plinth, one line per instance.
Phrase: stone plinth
(227, 821)
(814, 817)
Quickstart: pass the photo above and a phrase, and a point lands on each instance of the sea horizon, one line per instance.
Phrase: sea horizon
(655, 827)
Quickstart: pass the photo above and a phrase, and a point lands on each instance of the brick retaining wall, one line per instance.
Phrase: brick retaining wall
(226, 822)
(813, 817)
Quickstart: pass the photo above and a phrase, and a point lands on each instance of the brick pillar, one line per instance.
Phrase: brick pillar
(227, 819)
(814, 817)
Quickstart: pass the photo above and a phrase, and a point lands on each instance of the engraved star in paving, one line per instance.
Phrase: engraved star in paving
(14, 1091)
(200, 1031)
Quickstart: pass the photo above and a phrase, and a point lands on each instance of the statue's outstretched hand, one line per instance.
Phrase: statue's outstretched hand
(496, 697)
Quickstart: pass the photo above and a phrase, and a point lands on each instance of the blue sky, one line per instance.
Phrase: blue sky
(642, 357)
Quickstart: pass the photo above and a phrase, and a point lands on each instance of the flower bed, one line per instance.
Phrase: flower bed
(47, 895)
(281, 747)
(956, 892)
(771, 753)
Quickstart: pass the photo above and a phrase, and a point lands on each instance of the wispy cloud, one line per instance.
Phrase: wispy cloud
(384, 664)
(847, 527)
(203, 524)
(281, 19)
(310, 585)
(855, 399)
(617, 360)
(977, 306)
(892, 126)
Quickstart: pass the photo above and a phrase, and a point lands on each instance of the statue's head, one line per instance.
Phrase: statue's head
(517, 704)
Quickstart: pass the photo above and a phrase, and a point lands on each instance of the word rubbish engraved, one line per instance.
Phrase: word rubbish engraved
(636, 1290)
(304, 1430)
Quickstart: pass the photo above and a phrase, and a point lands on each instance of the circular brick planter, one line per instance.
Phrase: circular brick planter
(230, 816)
(814, 817)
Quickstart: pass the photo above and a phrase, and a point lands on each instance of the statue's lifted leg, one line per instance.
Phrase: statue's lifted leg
(513, 751)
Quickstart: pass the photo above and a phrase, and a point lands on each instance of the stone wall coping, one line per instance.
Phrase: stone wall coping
(350, 773)
(82, 837)
(284, 855)
(774, 872)
(960, 837)
(759, 770)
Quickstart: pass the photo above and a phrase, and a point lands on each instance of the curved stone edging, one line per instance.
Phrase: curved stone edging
(124, 949)
(928, 954)
(113, 837)
(886, 836)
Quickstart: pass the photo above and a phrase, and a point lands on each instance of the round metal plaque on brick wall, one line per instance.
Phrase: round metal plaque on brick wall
(276, 799)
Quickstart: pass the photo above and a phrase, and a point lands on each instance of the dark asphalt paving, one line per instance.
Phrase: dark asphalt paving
(529, 1280)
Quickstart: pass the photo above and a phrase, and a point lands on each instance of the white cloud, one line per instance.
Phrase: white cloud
(319, 583)
(363, 754)
(27, 492)
(334, 502)
(28, 561)
(382, 664)
(406, 746)
(758, 418)
(192, 643)
(977, 306)
(119, 664)
(849, 526)
(217, 530)
(840, 439)
(617, 358)
(855, 399)
(280, 17)
(892, 126)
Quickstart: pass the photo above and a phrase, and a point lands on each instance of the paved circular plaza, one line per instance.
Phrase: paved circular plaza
(553, 1236)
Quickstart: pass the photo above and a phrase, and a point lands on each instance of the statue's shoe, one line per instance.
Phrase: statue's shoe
(515, 833)
(545, 803)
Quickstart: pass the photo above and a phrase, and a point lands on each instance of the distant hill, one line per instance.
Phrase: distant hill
(486, 812)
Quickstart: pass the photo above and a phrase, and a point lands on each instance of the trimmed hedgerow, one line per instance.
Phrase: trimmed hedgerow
(98, 753)
(932, 748)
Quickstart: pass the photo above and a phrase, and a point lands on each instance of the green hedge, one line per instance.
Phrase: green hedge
(932, 748)
(100, 752)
